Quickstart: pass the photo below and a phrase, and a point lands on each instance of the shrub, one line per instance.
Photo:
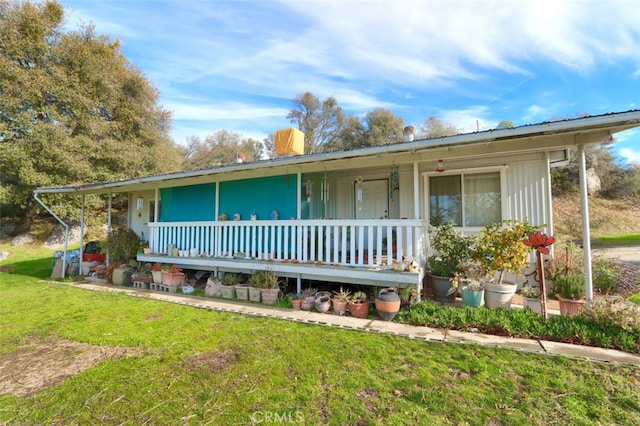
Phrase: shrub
(613, 324)
(606, 275)
(123, 244)
(570, 286)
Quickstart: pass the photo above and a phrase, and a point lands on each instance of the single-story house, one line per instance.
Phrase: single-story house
(353, 216)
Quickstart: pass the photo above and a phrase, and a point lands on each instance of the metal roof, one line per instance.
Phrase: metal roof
(555, 134)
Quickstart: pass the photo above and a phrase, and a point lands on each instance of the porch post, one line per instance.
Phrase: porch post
(82, 231)
(299, 196)
(586, 233)
(549, 209)
(416, 191)
(109, 228)
(156, 207)
(216, 208)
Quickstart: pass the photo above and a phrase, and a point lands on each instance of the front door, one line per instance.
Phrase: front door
(372, 199)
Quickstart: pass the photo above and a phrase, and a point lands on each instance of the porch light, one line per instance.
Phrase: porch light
(139, 203)
(440, 168)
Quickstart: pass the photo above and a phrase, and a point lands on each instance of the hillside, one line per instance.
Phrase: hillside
(607, 217)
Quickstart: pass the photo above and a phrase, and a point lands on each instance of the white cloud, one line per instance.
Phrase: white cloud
(229, 63)
(632, 157)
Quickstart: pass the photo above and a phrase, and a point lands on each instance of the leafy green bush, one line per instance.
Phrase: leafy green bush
(606, 275)
(123, 244)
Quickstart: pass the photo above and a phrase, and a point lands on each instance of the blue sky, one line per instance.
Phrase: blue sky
(237, 65)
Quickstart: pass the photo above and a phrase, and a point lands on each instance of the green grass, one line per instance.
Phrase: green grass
(616, 240)
(635, 298)
(267, 367)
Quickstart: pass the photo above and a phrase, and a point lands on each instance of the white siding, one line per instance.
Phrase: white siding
(527, 194)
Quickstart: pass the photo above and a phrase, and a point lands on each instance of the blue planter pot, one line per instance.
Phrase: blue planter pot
(473, 298)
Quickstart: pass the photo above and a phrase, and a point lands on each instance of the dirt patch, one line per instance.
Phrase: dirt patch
(154, 316)
(212, 362)
(48, 361)
(621, 216)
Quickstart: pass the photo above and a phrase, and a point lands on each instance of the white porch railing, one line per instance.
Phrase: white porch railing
(341, 242)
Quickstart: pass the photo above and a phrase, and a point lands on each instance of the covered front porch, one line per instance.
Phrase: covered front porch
(369, 252)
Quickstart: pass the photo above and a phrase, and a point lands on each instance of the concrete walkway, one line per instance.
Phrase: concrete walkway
(541, 347)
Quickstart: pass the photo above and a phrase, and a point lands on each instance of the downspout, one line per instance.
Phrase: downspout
(586, 232)
(66, 231)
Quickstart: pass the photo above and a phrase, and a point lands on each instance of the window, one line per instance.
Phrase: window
(472, 199)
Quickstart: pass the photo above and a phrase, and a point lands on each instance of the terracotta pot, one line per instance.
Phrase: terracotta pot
(359, 310)
(340, 307)
(307, 304)
(172, 278)
(323, 304)
(387, 304)
(570, 307)
(270, 295)
(296, 303)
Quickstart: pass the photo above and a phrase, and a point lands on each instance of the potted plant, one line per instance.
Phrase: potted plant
(387, 303)
(122, 246)
(213, 286)
(566, 272)
(451, 249)
(500, 249)
(570, 291)
(408, 295)
(228, 287)
(296, 301)
(255, 286)
(359, 305)
(156, 272)
(172, 276)
(531, 298)
(323, 301)
(309, 294)
(341, 301)
(470, 283)
(270, 288)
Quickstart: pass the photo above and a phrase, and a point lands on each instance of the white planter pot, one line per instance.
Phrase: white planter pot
(532, 303)
(499, 295)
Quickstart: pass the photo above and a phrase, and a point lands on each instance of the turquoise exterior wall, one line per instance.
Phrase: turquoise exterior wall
(260, 195)
(188, 203)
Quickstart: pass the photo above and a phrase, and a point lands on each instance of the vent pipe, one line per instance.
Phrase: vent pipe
(409, 133)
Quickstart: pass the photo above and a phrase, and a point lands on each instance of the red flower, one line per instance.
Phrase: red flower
(540, 242)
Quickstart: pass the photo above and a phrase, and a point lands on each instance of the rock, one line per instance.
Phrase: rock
(594, 184)
(56, 238)
(6, 229)
(23, 239)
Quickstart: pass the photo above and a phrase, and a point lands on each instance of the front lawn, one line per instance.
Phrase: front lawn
(181, 365)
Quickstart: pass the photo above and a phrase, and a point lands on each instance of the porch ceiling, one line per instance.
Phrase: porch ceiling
(531, 138)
